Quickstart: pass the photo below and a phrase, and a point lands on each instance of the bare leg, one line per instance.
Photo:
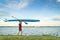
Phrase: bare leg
(19, 33)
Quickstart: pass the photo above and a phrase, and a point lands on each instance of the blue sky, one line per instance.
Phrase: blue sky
(30, 9)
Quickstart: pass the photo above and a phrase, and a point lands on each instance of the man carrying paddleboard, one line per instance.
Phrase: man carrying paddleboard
(20, 28)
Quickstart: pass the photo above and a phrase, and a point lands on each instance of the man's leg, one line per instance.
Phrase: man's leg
(19, 33)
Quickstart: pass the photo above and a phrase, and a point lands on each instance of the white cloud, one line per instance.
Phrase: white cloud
(58, 0)
(55, 0)
(17, 3)
(57, 18)
(3, 14)
(12, 4)
(51, 18)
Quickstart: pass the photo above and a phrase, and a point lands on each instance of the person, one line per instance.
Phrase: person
(20, 28)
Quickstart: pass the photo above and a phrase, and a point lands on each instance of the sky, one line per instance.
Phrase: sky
(47, 11)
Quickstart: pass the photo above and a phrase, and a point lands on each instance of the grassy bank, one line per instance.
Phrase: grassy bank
(34, 37)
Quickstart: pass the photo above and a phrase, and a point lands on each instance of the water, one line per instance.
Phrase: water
(31, 30)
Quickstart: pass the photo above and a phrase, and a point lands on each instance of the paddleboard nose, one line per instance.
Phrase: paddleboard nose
(38, 20)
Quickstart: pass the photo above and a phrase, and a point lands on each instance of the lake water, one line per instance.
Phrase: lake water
(31, 30)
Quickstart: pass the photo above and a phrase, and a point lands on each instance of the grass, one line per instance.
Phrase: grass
(31, 37)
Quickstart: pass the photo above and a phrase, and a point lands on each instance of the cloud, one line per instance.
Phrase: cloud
(17, 4)
(56, 18)
(52, 18)
(7, 5)
(3, 14)
(58, 0)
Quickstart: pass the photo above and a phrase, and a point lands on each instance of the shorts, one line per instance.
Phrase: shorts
(20, 29)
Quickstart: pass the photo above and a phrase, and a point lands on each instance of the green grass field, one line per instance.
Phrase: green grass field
(31, 37)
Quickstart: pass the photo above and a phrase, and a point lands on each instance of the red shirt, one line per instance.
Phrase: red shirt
(20, 25)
